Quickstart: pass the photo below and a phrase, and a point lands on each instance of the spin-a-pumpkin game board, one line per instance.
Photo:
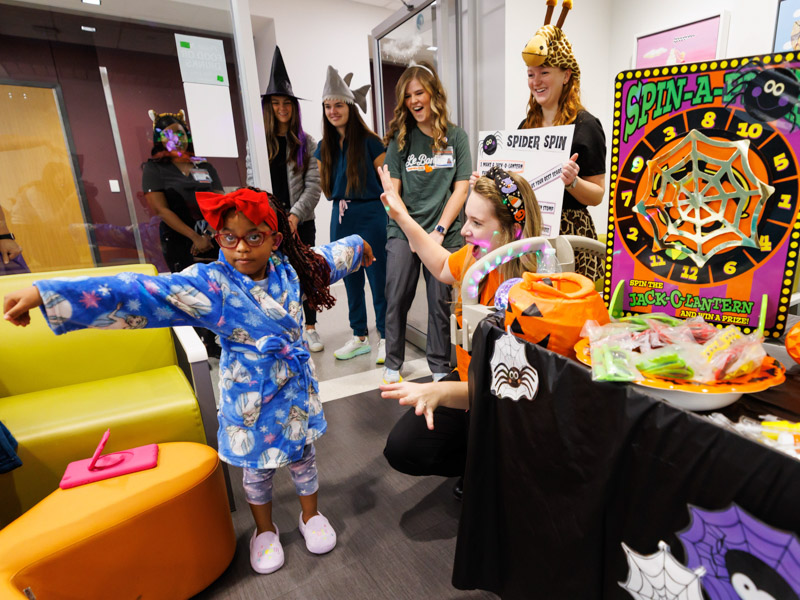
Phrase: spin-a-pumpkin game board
(704, 190)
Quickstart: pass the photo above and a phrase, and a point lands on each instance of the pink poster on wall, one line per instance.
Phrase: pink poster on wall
(694, 42)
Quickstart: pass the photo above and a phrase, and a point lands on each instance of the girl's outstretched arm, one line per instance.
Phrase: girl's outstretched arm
(346, 255)
(430, 253)
(123, 301)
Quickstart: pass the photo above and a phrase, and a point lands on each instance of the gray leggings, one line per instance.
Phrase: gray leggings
(258, 482)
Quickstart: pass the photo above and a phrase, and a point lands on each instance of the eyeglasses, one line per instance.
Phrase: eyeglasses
(253, 239)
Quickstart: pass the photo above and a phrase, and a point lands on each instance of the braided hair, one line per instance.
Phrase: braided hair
(312, 269)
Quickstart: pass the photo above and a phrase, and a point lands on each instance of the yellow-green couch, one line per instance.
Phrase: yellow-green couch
(58, 394)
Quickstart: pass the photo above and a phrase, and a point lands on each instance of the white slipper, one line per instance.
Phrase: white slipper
(318, 533)
(266, 552)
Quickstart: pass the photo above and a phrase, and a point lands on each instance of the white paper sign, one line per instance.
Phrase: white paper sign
(211, 117)
(202, 60)
(537, 155)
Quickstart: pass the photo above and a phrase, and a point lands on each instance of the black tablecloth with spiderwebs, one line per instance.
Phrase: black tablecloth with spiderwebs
(554, 486)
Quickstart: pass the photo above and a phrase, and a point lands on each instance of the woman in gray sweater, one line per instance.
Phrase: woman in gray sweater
(293, 169)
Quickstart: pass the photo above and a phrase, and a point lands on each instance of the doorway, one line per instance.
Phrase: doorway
(430, 32)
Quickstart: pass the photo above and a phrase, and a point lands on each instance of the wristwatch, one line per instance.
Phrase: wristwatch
(572, 185)
(440, 229)
(7, 236)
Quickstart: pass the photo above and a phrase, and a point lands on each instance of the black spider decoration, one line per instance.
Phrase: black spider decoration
(767, 94)
(515, 383)
(491, 143)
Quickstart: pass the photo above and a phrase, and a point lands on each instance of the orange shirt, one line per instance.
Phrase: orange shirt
(459, 262)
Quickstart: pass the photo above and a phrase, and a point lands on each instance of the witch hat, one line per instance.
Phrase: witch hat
(279, 84)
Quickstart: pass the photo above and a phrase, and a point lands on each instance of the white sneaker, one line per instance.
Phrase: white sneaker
(381, 352)
(391, 376)
(353, 348)
(314, 342)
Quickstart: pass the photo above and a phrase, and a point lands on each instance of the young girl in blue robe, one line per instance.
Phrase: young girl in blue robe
(270, 412)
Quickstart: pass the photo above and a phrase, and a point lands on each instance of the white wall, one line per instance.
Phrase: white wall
(492, 58)
(752, 24)
(587, 27)
(313, 34)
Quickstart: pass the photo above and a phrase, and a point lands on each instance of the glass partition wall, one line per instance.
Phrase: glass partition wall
(76, 87)
(423, 31)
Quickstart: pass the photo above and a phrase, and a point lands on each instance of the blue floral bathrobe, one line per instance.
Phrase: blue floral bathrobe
(270, 406)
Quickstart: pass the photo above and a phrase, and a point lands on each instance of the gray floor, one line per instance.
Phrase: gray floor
(396, 534)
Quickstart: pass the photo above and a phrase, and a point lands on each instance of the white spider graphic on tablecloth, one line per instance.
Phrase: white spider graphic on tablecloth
(512, 376)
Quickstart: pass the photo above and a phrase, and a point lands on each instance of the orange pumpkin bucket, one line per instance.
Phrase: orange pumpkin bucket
(550, 309)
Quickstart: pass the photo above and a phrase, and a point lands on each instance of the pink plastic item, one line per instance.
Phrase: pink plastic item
(111, 465)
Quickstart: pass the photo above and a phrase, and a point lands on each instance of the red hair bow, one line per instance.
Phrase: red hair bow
(254, 205)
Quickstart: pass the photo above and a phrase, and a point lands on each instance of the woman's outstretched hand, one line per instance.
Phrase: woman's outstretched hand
(423, 396)
(17, 304)
(390, 198)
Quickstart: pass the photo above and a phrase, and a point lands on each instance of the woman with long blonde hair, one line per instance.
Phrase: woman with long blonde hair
(429, 164)
(556, 100)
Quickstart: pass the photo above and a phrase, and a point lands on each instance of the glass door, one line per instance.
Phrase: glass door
(428, 32)
(425, 32)
(43, 202)
(78, 85)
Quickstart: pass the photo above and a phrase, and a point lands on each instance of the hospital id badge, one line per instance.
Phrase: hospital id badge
(200, 175)
(444, 159)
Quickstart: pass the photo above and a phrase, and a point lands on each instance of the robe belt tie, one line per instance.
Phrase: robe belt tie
(294, 353)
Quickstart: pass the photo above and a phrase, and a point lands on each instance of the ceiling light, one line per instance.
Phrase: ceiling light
(87, 28)
(97, 2)
(432, 48)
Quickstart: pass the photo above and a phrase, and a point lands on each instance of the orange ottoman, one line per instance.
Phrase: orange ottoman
(161, 533)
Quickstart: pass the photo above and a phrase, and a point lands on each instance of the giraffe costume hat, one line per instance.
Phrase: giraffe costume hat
(549, 47)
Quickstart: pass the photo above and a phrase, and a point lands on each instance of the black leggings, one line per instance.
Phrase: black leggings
(414, 449)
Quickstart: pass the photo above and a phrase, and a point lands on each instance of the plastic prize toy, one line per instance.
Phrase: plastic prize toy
(695, 395)
(615, 365)
(501, 295)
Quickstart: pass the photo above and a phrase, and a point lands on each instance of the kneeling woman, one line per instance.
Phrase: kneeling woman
(491, 221)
